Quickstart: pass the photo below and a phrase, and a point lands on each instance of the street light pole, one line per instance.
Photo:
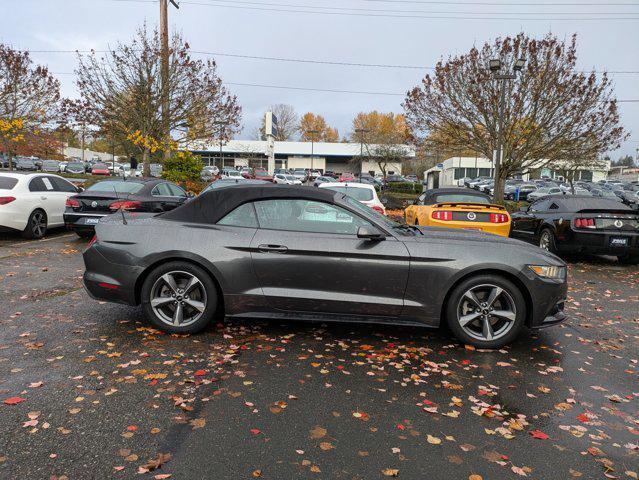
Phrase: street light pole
(495, 66)
(312, 134)
(361, 132)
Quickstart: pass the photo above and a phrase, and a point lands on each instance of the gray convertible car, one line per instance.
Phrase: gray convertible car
(275, 251)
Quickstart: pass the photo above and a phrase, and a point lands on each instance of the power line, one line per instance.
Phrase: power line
(335, 11)
(518, 4)
(324, 90)
(403, 11)
(313, 61)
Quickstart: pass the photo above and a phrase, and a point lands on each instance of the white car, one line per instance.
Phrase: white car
(126, 172)
(227, 173)
(286, 179)
(34, 202)
(362, 192)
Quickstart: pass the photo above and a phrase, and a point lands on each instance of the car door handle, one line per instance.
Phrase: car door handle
(272, 248)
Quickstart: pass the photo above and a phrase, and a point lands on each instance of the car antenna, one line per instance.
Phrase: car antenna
(124, 222)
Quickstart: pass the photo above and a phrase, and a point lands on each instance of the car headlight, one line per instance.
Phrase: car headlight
(549, 271)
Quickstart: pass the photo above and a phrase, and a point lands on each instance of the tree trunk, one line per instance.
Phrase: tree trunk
(146, 169)
(500, 182)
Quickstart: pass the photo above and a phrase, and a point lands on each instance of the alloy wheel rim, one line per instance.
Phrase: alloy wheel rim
(544, 241)
(486, 312)
(39, 224)
(178, 298)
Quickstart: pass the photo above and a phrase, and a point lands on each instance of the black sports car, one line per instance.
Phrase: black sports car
(83, 211)
(289, 252)
(576, 223)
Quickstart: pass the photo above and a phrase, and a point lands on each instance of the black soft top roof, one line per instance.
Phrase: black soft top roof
(575, 203)
(212, 206)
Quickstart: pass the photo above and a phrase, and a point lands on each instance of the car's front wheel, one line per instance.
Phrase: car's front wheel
(179, 297)
(547, 241)
(486, 311)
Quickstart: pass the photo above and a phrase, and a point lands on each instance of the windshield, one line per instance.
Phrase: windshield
(113, 187)
(75, 165)
(100, 166)
(461, 198)
(290, 178)
(361, 194)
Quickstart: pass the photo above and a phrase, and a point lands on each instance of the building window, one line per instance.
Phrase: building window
(485, 172)
(459, 173)
(471, 172)
(585, 175)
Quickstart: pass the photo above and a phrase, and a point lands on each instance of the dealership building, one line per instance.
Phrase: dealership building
(335, 157)
(452, 171)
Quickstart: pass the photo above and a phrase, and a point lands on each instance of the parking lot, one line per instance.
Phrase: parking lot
(90, 391)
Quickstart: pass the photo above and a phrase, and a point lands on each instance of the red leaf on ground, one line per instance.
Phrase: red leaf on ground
(200, 373)
(14, 400)
(539, 434)
(255, 431)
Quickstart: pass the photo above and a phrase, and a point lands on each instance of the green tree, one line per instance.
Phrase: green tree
(183, 167)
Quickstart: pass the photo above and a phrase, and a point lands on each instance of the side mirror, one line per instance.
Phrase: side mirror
(369, 233)
(80, 189)
(190, 195)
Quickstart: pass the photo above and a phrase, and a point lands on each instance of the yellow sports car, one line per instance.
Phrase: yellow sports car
(458, 208)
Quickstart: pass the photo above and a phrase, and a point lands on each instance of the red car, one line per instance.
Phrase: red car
(261, 174)
(100, 169)
(346, 177)
(247, 172)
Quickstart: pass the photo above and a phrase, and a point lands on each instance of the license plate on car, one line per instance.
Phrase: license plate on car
(91, 221)
(618, 242)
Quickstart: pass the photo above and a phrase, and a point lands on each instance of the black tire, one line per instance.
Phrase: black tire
(547, 235)
(628, 259)
(455, 303)
(210, 301)
(36, 225)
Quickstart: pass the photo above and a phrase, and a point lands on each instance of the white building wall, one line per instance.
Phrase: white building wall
(305, 162)
(72, 152)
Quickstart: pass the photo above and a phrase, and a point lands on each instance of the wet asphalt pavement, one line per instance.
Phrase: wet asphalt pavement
(88, 390)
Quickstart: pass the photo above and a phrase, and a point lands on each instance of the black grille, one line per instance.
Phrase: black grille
(478, 217)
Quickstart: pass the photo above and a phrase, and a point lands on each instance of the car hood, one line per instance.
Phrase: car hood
(446, 235)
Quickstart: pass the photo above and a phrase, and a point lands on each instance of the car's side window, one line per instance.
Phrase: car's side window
(176, 191)
(62, 185)
(307, 216)
(161, 190)
(242, 216)
(540, 206)
(37, 185)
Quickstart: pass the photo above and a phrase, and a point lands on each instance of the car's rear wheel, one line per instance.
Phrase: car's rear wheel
(179, 297)
(547, 241)
(36, 225)
(486, 311)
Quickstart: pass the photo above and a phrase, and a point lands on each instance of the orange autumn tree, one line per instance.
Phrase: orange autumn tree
(383, 137)
(311, 122)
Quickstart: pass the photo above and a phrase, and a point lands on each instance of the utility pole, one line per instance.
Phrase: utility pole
(164, 74)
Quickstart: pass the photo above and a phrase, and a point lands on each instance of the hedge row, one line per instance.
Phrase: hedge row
(404, 187)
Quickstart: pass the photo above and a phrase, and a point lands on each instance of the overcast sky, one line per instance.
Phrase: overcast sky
(397, 32)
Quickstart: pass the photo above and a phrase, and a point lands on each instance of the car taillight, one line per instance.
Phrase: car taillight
(584, 223)
(73, 203)
(498, 218)
(5, 200)
(92, 241)
(125, 205)
(445, 215)
(379, 209)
